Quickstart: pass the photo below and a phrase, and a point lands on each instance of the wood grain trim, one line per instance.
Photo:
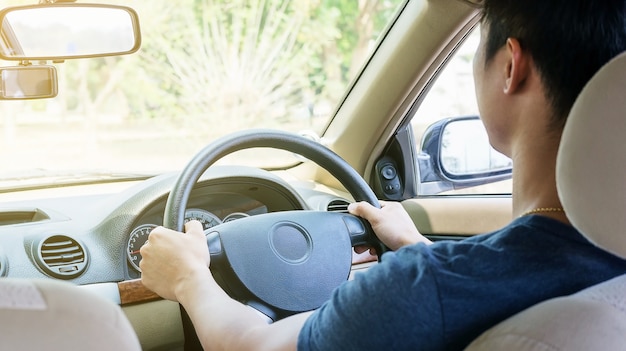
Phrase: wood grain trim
(133, 291)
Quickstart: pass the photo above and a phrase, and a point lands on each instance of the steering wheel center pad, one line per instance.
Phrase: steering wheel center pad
(306, 253)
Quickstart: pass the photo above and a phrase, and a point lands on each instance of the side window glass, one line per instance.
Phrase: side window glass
(446, 127)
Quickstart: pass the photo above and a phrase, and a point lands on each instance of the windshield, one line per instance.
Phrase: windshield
(205, 68)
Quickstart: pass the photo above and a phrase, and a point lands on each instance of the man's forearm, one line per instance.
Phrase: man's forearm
(225, 324)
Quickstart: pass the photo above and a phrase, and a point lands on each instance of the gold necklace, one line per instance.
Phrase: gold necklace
(542, 209)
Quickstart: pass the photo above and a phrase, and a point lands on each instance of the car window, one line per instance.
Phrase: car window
(452, 95)
(204, 69)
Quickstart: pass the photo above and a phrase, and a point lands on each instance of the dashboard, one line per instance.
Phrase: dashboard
(92, 233)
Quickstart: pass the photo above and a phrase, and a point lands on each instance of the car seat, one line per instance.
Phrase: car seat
(54, 315)
(591, 180)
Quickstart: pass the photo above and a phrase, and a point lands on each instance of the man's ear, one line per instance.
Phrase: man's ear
(517, 67)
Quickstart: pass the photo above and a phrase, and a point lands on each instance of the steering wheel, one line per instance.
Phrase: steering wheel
(279, 263)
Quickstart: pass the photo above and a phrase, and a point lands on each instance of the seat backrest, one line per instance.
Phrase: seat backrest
(591, 180)
(54, 315)
(592, 319)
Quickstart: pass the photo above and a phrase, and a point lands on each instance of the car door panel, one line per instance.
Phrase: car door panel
(453, 216)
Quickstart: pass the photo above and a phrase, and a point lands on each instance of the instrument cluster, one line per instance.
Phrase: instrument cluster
(224, 210)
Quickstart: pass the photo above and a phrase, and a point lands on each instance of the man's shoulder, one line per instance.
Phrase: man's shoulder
(521, 239)
(530, 230)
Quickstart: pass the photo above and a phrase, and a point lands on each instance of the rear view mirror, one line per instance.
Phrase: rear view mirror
(67, 31)
(28, 82)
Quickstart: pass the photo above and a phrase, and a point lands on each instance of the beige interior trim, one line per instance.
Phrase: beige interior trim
(459, 215)
(158, 324)
(384, 91)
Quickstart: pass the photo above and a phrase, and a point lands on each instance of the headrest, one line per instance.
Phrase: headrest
(591, 162)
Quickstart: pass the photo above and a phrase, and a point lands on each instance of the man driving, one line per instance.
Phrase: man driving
(534, 58)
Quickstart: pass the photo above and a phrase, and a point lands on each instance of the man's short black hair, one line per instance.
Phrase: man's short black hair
(569, 40)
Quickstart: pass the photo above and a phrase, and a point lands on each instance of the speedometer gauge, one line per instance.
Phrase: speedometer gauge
(207, 218)
(139, 235)
(136, 240)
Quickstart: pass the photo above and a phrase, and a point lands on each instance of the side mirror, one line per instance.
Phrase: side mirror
(28, 82)
(456, 154)
(67, 31)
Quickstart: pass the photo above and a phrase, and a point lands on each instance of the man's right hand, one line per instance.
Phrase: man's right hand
(391, 223)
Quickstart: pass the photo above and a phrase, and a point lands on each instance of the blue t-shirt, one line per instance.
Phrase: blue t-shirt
(442, 296)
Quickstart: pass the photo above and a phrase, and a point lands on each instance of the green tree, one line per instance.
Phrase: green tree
(255, 62)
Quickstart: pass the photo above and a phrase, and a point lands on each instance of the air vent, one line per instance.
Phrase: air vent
(61, 257)
(338, 206)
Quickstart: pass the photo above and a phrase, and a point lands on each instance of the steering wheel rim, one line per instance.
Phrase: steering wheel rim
(174, 214)
(358, 230)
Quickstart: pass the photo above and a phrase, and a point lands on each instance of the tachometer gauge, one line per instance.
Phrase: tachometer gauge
(207, 218)
(235, 215)
(136, 240)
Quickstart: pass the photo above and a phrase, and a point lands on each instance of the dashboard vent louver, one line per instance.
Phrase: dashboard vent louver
(338, 206)
(61, 257)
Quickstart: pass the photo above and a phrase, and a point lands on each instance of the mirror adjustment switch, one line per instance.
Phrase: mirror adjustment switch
(388, 179)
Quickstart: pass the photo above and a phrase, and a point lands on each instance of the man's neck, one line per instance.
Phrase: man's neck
(534, 178)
